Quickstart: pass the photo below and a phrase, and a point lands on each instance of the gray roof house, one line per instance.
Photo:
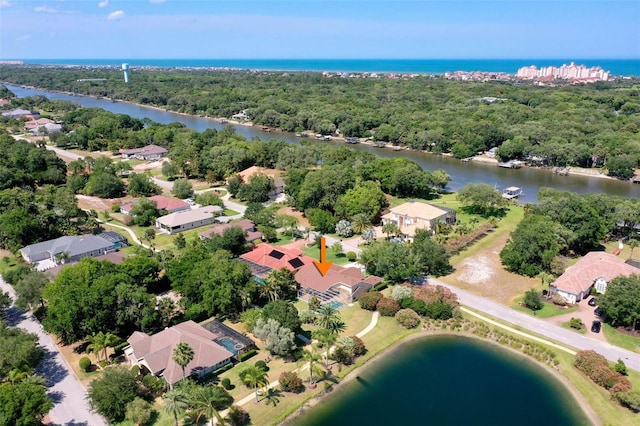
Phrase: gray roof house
(185, 220)
(74, 247)
(149, 152)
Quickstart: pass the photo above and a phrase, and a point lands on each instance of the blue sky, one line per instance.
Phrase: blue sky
(143, 29)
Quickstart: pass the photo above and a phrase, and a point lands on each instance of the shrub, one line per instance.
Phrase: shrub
(439, 310)
(381, 286)
(250, 317)
(408, 318)
(226, 383)
(629, 399)
(224, 368)
(155, 386)
(342, 355)
(84, 363)
(575, 323)
(262, 365)
(351, 256)
(387, 307)
(596, 367)
(358, 346)
(314, 304)
(620, 367)
(533, 300)
(400, 292)
(291, 382)
(119, 349)
(307, 316)
(247, 355)
(135, 370)
(417, 305)
(237, 416)
(102, 363)
(369, 300)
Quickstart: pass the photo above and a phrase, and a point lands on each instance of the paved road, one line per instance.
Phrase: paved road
(70, 405)
(543, 328)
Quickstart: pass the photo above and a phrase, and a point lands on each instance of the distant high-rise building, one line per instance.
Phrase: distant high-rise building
(125, 70)
(570, 72)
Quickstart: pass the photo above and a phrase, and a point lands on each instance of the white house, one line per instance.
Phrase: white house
(188, 219)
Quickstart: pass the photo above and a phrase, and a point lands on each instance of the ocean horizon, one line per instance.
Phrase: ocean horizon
(617, 67)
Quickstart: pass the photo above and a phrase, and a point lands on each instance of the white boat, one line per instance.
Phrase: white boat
(512, 192)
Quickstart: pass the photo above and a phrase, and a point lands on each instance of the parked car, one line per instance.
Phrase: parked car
(595, 326)
(598, 311)
(593, 301)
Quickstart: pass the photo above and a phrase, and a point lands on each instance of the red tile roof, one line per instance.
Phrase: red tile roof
(594, 265)
(277, 257)
(309, 277)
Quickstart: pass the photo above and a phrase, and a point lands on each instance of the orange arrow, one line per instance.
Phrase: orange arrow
(323, 266)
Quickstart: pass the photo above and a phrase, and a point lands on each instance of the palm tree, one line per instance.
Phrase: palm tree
(282, 282)
(390, 228)
(360, 222)
(175, 403)
(633, 243)
(254, 377)
(325, 337)
(312, 358)
(268, 291)
(208, 400)
(182, 355)
(545, 279)
(101, 342)
(329, 319)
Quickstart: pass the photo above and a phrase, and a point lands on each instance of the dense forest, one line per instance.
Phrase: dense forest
(581, 125)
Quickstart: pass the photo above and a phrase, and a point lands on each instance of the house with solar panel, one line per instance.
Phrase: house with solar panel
(265, 257)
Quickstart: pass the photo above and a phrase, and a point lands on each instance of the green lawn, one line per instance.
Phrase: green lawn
(337, 258)
(158, 418)
(229, 212)
(7, 263)
(548, 310)
(614, 337)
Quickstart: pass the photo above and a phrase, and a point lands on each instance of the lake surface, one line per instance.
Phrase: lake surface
(529, 179)
(449, 380)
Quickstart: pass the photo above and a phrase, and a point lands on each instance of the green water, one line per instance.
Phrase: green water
(449, 380)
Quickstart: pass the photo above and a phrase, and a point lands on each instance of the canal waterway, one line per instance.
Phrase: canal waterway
(449, 380)
(462, 173)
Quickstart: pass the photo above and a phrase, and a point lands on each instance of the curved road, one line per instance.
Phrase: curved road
(70, 404)
(543, 328)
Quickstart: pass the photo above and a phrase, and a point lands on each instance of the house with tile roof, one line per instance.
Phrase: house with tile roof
(339, 284)
(155, 353)
(595, 270)
(172, 205)
(414, 215)
(245, 224)
(265, 257)
(149, 152)
(188, 219)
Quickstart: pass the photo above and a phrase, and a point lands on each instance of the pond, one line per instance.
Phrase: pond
(449, 380)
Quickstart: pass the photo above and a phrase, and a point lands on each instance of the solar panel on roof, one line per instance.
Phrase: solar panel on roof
(276, 254)
(296, 263)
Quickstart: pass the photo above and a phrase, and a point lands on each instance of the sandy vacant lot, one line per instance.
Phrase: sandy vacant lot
(483, 274)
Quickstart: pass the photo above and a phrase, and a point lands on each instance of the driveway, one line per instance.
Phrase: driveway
(70, 405)
(544, 328)
(585, 313)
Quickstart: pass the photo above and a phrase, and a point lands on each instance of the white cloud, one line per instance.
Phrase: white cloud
(104, 3)
(4, 3)
(45, 9)
(114, 16)
(157, 1)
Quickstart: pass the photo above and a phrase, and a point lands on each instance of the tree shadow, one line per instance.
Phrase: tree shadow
(51, 369)
(56, 397)
(14, 316)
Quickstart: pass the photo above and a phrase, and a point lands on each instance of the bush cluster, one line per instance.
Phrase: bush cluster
(369, 301)
(247, 355)
(387, 307)
(596, 367)
(84, 363)
(408, 318)
(291, 382)
(455, 245)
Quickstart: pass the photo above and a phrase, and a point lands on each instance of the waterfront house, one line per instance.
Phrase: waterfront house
(339, 284)
(171, 205)
(71, 248)
(245, 224)
(149, 153)
(595, 270)
(414, 215)
(273, 174)
(155, 353)
(188, 219)
(21, 113)
(265, 257)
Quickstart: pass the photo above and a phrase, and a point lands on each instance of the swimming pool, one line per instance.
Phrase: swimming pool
(230, 344)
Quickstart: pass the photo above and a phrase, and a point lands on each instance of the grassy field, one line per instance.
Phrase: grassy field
(548, 309)
(337, 258)
(614, 337)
